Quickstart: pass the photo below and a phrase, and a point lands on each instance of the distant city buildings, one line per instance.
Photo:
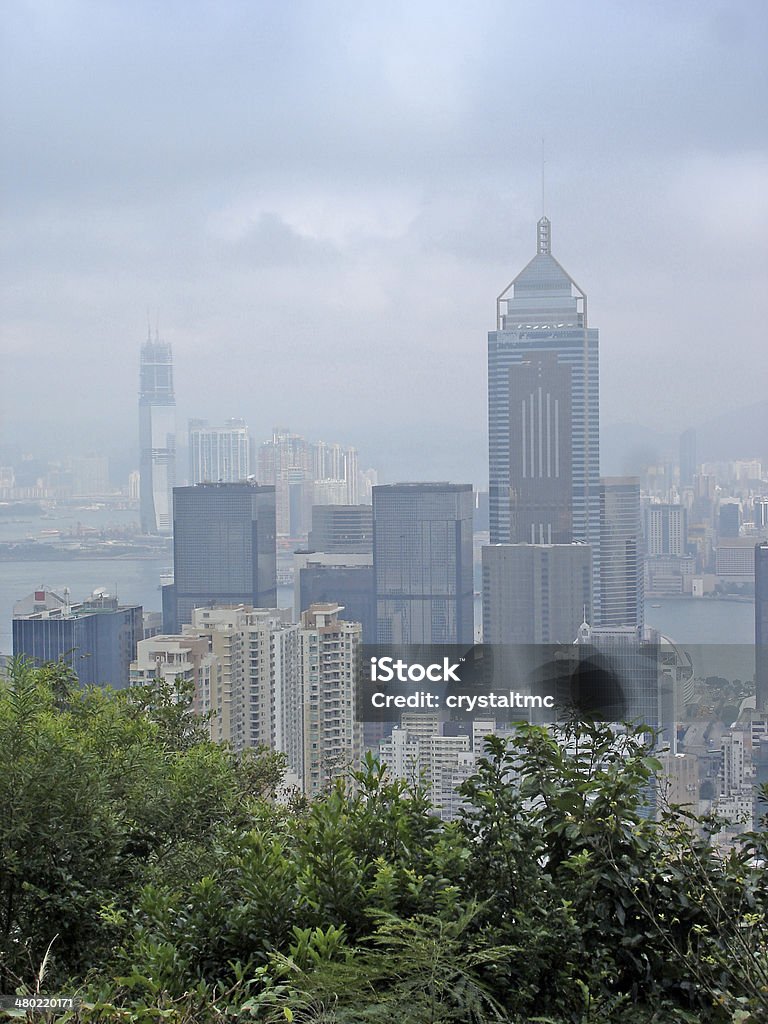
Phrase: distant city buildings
(666, 530)
(97, 637)
(218, 454)
(157, 436)
(224, 549)
(422, 563)
(306, 473)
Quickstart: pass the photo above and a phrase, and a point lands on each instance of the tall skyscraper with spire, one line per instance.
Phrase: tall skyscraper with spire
(543, 411)
(157, 436)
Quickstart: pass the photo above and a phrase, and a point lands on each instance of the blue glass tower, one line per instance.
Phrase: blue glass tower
(543, 313)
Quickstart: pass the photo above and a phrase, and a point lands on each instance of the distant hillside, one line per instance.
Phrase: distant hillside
(626, 448)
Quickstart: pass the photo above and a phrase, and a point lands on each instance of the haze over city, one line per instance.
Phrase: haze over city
(318, 204)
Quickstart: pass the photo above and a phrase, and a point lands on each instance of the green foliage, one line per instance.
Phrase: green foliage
(153, 871)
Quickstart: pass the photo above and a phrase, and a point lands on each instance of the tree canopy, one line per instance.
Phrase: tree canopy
(154, 874)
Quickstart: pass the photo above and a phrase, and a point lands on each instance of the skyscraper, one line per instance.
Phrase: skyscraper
(543, 322)
(761, 626)
(330, 657)
(157, 436)
(224, 549)
(422, 563)
(666, 530)
(621, 552)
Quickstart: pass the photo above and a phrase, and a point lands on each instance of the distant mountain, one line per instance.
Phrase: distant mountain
(627, 448)
(737, 434)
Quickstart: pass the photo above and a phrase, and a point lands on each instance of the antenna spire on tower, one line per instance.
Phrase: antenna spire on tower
(543, 190)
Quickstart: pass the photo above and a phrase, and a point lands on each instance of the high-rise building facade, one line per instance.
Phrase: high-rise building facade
(761, 626)
(330, 657)
(337, 528)
(422, 563)
(97, 637)
(219, 454)
(157, 437)
(224, 549)
(535, 593)
(542, 315)
(540, 505)
(666, 530)
(621, 553)
(337, 579)
(258, 698)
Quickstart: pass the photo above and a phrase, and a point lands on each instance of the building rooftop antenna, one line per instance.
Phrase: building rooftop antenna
(543, 182)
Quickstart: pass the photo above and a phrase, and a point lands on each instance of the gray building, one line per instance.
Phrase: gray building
(319, 581)
(157, 437)
(729, 519)
(97, 637)
(761, 626)
(422, 563)
(621, 553)
(341, 528)
(224, 549)
(666, 530)
(543, 313)
(535, 593)
(540, 506)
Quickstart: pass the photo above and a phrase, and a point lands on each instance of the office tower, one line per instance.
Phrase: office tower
(224, 549)
(666, 530)
(761, 626)
(735, 559)
(729, 519)
(624, 677)
(540, 315)
(218, 454)
(422, 563)
(97, 637)
(688, 465)
(157, 436)
(330, 657)
(541, 431)
(621, 552)
(535, 593)
(337, 578)
(339, 528)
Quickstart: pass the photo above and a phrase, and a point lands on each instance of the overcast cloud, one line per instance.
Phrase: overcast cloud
(324, 199)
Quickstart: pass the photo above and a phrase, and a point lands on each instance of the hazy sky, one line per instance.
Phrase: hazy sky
(324, 199)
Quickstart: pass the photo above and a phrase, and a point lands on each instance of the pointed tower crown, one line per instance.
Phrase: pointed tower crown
(544, 237)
